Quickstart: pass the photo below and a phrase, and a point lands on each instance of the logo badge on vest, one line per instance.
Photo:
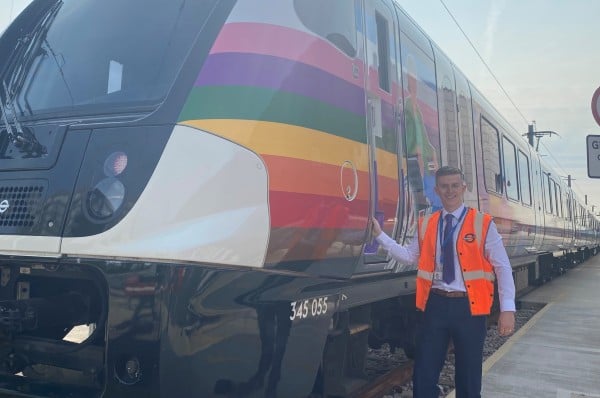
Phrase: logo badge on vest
(469, 238)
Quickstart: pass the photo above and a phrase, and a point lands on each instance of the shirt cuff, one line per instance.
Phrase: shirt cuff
(379, 237)
(507, 305)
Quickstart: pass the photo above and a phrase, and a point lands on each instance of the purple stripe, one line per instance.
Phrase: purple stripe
(255, 70)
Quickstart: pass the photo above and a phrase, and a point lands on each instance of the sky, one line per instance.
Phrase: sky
(543, 52)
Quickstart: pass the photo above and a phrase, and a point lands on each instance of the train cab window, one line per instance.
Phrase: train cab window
(510, 169)
(97, 60)
(491, 157)
(334, 20)
(524, 180)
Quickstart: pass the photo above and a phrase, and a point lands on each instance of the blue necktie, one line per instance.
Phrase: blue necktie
(448, 251)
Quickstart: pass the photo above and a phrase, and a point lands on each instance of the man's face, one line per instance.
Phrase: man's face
(451, 189)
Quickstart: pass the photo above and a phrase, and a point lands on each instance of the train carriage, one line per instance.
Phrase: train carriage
(195, 179)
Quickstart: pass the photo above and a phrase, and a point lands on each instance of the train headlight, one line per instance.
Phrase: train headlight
(108, 195)
(106, 198)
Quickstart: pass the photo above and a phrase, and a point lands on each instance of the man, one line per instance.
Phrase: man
(458, 251)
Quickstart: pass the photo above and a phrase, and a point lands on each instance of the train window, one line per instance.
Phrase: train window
(447, 108)
(446, 96)
(550, 196)
(524, 180)
(465, 128)
(420, 122)
(491, 157)
(334, 20)
(383, 51)
(558, 201)
(546, 200)
(510, 169)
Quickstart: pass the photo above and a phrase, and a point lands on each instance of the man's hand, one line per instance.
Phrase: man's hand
(506, 323)
(376, 227)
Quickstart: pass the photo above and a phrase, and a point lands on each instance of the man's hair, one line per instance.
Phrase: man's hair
(448, 171)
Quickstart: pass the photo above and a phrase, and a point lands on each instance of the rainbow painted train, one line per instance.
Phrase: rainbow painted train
(186, 188)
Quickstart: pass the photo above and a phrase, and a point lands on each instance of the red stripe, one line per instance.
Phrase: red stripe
(316, 211)
(307, 177)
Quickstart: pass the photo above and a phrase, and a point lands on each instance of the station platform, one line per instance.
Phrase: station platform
(557, 353)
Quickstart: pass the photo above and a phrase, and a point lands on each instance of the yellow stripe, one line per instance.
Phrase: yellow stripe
(278, 139)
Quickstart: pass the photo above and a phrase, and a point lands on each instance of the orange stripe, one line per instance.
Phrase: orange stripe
(307, 177)
(278, 139)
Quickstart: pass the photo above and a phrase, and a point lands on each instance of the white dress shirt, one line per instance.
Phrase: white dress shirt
(494, 252)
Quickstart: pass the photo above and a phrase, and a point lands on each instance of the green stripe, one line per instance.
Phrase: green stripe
(252, 103)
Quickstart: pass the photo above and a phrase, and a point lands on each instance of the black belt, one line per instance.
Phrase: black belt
(445, 293)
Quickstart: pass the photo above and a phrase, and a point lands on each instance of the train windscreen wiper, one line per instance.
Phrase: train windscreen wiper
(21, 137)
(30, 47)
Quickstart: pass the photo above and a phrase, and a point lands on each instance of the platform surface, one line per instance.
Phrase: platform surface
(557, 353)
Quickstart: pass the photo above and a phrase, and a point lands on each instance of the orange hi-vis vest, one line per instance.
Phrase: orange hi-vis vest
(477, 272)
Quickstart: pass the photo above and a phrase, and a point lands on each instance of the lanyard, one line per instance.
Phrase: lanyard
(446, 239)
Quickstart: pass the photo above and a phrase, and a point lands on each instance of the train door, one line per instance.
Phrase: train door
(383, 94)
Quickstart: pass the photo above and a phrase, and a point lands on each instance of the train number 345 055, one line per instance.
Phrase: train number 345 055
(308, 308)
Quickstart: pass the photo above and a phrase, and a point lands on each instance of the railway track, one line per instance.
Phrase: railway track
(382, 385)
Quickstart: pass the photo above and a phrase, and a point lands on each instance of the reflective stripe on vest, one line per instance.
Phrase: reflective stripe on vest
(472, 275)
(424, 223)
(424, 274)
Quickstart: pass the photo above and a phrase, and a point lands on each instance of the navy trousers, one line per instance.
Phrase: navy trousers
(448, 318)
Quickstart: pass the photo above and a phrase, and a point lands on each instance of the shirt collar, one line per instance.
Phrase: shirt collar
(456, 213)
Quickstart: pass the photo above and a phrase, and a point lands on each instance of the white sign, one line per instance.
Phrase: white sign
(593, 156)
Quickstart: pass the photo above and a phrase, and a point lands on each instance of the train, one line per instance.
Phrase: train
(192, 183)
